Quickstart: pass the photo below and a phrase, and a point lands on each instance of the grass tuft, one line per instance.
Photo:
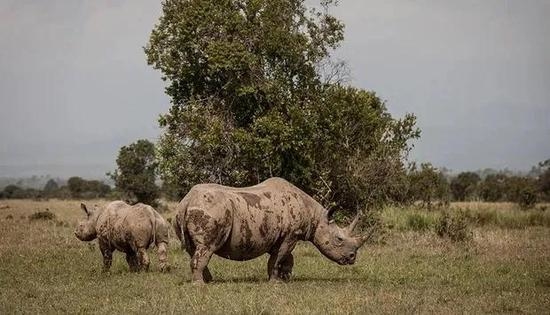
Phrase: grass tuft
(42, 215)
(455, 226)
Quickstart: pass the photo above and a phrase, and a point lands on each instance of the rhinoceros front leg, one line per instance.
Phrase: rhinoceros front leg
(199, 262)
(285, 267)
(280, 263)
(107, 254)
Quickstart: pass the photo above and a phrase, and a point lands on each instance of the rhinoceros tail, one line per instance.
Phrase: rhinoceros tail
(177, 227)
(154, 225)
(179, 222)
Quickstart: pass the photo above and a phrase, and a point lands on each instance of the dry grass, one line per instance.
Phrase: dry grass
(45, 269)
(478, 214)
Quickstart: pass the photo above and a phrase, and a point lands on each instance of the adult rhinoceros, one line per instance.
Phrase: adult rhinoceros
(244, 223)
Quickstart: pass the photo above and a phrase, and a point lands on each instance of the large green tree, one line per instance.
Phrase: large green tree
(136, 172)
(249, 101)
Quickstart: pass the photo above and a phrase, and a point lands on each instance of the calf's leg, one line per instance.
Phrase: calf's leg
(163, 258)
(143, 259)
(107, 254)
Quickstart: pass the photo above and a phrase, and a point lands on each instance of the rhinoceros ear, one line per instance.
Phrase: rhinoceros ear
(330, 212)
(83, 207)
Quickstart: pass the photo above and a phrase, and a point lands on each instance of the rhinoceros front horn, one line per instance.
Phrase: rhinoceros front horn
(353, 223)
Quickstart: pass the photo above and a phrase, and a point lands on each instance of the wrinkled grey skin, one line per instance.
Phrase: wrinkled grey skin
(244, 223)
(129, 229)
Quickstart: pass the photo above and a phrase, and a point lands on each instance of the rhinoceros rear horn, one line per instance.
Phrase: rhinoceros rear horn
(83, 207)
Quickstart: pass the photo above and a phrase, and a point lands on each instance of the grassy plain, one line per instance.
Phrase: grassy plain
(505, 268)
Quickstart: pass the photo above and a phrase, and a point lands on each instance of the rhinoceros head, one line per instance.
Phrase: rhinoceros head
(86, 229)
(336, 243)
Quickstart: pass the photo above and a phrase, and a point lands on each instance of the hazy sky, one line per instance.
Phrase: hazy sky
(75, 86)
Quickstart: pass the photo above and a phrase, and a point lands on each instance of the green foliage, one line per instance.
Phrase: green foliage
(427, 184)
(136, 172)
(543, 181)
(527, 197)
(16, 192)
(493, 187)
(418, 222)
(454, 225)
(521, 190)
(249, 102)
(87, 189)
(357, 149)
(464, 186)
(50, 188)
(11, 190)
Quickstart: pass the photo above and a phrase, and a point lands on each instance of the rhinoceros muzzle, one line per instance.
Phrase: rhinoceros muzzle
(347, 261)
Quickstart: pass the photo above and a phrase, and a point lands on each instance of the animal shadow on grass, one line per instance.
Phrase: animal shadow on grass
(293, 279)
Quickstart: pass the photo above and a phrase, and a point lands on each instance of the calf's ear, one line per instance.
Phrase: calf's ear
(83, 207)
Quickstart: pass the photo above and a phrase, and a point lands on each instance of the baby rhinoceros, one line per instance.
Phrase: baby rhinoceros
(129, 229)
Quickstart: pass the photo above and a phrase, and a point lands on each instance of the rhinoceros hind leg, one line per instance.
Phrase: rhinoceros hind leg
(191, 249)
(199, 262)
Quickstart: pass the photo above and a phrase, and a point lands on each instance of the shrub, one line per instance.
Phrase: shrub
(9, 217)
(454, 226)
(485, 217)
(373, 224)
(538, 219)
(418, 222)
(42, 215)
(527, 197)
